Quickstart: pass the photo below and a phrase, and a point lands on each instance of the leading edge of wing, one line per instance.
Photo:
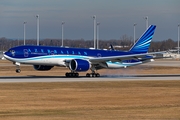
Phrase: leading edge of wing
(122, 57)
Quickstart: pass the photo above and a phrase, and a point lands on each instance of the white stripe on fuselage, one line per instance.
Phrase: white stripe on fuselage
(59, 60)
(54, 60)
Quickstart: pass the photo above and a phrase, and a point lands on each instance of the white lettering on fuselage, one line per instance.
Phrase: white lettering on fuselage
(55, 52)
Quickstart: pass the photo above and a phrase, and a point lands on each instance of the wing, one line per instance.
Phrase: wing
(124, 57)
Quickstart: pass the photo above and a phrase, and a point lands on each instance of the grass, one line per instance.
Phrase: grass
(90, 100)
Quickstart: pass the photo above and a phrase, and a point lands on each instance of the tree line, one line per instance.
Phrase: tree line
(124, 43)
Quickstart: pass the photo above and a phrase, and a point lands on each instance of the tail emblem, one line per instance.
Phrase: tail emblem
(142, 45)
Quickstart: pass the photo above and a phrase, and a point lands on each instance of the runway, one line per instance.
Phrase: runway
(166, 63)
(36, 78)
(17, 79)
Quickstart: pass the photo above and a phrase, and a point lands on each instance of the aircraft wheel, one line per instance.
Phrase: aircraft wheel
(97, 75)
(93, 75)
(18, 70)
(88, 75)
(67, 74)
(77, 74)
(73, 74)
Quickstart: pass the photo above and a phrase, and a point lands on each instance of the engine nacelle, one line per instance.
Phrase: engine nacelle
(42, 67)
(79, 65)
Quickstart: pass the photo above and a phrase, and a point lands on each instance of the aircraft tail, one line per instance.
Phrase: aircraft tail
(143, 43)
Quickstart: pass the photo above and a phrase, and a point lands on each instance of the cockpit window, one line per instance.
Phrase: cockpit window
(12, 51)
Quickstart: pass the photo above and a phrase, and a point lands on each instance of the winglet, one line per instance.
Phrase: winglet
(143, 43)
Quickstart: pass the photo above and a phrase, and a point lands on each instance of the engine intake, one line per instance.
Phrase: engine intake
(42, 67)
(79, 65)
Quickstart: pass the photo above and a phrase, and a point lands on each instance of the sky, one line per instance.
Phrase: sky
(116, 18)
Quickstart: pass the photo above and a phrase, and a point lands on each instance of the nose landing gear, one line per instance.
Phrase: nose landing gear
(18, 70)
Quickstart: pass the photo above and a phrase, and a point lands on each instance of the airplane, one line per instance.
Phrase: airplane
(44, 58)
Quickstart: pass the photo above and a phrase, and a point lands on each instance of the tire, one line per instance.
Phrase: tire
(87, 75)
(97, 75)
(18, 70)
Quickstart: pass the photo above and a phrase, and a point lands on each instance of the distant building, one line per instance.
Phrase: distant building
(172, 54)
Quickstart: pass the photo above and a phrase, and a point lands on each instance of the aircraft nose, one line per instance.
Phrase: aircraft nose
(3, 57)
(6, 54)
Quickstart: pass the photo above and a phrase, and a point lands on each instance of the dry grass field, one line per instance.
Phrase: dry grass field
(90, 100)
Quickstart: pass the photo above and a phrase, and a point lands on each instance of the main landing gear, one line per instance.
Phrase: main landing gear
(92, 75)
(72, 74)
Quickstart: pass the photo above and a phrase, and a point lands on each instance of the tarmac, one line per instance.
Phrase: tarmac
(15, 79)
(174, 63)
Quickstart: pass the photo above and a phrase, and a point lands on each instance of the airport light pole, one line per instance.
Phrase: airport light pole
(134, 32)
(18, 41)
(24, 32)
(98, 23)
(62, 32)
(178, 39)
(146, 18)
(37, 16)
(94, 18)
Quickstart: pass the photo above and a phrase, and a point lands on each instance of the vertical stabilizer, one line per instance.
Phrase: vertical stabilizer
(143, 43)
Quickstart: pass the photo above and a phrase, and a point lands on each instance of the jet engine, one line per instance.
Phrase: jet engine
(79, 65)
(42, 67)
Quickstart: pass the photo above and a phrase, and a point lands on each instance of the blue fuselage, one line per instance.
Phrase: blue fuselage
(36, 51)
(56, 56)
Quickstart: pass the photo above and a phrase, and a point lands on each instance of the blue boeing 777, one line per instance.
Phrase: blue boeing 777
(44, 58)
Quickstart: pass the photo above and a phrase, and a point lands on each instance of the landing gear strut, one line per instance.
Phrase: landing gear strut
(18, 70)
